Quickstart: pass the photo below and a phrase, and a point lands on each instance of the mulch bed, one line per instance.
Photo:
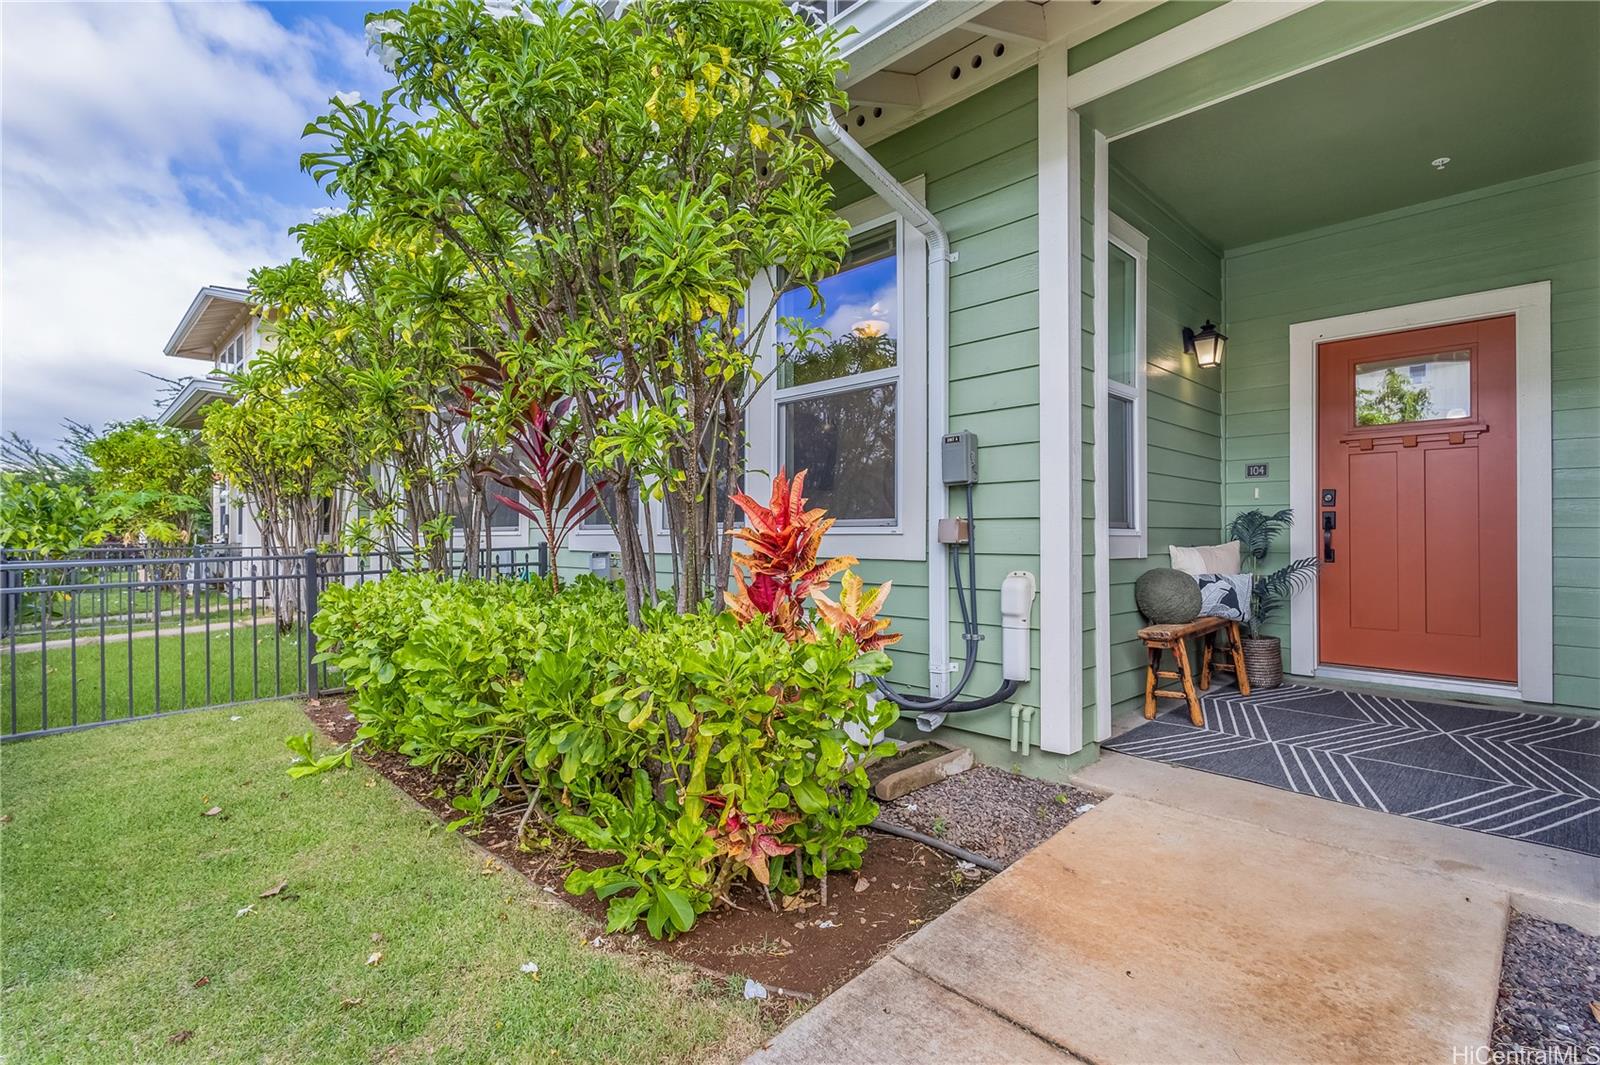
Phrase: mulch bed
(1549, 989)
(996, 814)
(798, 953)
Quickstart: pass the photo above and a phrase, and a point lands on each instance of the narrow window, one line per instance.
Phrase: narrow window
(1125, 390)
(839, 406)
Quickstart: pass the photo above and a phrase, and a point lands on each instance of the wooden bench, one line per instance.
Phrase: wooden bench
(1230, 659)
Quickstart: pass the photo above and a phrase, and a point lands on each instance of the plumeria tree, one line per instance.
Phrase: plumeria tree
(378, 329)
(617, 182)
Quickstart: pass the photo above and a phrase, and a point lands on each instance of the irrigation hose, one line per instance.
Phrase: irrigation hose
(938, 844)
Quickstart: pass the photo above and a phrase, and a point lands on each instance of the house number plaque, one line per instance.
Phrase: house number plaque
(1255, 469)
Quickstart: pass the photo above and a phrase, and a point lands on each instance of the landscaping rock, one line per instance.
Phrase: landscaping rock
(997, 814)
(1549, 985)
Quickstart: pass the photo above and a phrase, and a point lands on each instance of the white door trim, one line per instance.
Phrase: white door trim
(1535, 550)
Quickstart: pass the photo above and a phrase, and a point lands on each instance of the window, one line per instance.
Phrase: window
(500, 515)
(1126, 488)
(853, 413)
(232, 355)
(1416, 388)
(838, 406)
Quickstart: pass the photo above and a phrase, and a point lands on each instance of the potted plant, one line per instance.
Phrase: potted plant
(1255, 530)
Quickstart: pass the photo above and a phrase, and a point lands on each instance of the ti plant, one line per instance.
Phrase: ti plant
(546, 476)
(1255, 530)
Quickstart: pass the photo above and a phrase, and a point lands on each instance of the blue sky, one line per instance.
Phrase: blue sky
(147, 150)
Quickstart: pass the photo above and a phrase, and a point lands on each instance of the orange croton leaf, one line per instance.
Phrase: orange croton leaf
(781, 568)
(857, 614)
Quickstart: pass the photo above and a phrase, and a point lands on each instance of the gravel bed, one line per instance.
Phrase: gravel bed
(997, 814)
(1549, 988)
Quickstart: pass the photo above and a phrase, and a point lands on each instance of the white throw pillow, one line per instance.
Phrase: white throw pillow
(1221, 558)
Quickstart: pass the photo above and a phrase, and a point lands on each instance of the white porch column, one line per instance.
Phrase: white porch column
(1060, 413)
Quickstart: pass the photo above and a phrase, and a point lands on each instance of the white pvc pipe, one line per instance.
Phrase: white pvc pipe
(853, 154)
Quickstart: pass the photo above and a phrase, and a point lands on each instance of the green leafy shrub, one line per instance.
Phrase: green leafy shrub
(693, 748)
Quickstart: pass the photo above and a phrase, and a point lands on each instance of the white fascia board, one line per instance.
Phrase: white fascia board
(197, 307)
(1177, 46)
(887, 30)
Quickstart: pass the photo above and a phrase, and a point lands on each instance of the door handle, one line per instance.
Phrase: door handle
(1329, 520)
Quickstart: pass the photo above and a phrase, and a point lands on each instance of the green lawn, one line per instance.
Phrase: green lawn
(261, 661)
(114, 598)
(120, 897)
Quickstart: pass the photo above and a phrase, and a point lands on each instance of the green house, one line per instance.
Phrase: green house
(1389, 211)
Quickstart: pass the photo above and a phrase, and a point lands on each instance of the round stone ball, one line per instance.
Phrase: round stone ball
(1167, 597)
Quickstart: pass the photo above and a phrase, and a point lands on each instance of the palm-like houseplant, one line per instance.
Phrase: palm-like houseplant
(1255, 530)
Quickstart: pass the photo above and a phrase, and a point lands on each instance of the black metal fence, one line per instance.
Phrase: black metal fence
(109, 636)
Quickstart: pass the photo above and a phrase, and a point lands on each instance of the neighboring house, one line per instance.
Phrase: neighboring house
(1337, 186)
(219, 329)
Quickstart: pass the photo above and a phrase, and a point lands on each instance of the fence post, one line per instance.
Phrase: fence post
(7, 607)
(543, 559)
(309, 611)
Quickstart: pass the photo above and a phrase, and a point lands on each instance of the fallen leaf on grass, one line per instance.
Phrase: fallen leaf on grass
(275, 889)
(241, 911)
(180, 1038)
(530, 967)
(375, 957)
(377, 937)
(214, 811)
(202, 982)
(349, 1003)
(5, 819)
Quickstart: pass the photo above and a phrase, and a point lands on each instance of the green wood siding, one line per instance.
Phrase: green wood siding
(980, 163)
(1183, 417)
(1545, 228)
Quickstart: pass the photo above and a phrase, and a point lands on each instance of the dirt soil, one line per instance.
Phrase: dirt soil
(996, 814)
(801, 952)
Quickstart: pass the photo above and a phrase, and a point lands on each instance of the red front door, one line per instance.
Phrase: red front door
(1417, 444)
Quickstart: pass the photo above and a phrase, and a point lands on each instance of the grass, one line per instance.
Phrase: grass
(264, 662)
(120, 897)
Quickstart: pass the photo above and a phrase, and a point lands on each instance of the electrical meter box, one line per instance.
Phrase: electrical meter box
(958, 458)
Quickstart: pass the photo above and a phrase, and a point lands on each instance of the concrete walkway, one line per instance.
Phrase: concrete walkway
(1193, 918)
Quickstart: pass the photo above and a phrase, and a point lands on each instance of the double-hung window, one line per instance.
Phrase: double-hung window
(851, 412)
(1126, 470)
(838, 415)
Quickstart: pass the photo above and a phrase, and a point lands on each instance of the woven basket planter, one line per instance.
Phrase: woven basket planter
(1263, 661)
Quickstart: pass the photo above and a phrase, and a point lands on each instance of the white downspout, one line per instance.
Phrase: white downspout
(853, 154)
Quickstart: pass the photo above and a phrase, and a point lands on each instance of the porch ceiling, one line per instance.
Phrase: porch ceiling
(1505, 91)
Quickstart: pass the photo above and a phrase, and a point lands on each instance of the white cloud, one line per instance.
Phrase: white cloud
(145, 153)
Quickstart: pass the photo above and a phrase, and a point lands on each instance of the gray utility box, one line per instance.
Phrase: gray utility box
(958, 458)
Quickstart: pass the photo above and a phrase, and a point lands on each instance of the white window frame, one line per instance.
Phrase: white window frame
(906, 537)
(236, 352)
(1133, 542)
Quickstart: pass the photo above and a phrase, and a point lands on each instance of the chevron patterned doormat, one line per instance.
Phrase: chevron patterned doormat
(1526, 776)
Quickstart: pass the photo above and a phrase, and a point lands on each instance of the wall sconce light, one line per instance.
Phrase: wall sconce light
(1206, 346)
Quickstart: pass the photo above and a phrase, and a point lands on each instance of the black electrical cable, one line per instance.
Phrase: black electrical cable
(948, 703)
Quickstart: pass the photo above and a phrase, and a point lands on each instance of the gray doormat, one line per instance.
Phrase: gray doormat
(1526, 776)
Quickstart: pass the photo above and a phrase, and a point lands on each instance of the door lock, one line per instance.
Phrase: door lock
(1330, 520)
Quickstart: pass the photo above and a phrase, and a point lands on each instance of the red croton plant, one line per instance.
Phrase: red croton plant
(780, 571)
